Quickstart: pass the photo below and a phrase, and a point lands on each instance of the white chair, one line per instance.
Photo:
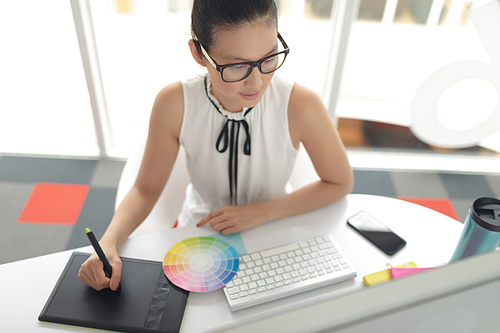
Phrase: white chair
(168, 206)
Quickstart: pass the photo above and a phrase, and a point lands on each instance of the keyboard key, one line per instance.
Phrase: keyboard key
(279, 250)
(233, 290)
(255, 256)
(311, 242)
(325, 246)
(246, 258)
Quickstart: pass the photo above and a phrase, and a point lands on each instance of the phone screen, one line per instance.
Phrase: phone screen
(376, 232)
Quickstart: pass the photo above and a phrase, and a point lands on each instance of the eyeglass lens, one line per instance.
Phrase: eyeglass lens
(239, 72)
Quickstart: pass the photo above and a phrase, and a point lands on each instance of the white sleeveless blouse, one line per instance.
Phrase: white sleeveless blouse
(234, 158)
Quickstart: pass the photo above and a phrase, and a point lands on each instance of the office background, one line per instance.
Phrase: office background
(57, 128)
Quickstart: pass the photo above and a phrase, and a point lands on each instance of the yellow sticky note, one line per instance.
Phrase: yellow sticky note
(385, 275)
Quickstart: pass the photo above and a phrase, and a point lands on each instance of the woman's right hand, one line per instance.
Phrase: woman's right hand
(92, 270)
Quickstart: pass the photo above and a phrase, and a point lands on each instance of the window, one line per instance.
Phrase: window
(45, 106)
(399, 55)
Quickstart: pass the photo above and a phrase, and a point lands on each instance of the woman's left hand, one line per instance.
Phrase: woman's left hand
(231, 219)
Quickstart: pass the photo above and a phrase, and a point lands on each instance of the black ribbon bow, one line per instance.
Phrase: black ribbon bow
(229, 139)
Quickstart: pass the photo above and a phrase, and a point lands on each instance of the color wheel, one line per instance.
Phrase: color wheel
(201, 264)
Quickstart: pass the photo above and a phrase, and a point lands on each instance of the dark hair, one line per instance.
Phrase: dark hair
(210, 16)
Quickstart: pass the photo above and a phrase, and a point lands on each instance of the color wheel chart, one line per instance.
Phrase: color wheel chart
(201, 264)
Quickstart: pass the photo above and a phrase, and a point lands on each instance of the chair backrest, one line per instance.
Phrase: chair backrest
(168, 206)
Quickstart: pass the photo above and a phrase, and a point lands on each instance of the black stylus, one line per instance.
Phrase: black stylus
(107, 267)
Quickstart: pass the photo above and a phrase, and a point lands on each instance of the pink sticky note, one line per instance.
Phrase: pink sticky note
(400, 272)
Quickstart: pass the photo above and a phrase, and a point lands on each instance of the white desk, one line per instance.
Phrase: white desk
(431, 238)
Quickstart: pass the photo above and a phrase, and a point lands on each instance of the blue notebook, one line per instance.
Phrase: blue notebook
(146, 302)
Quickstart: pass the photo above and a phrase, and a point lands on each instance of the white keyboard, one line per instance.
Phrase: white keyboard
(264, 276)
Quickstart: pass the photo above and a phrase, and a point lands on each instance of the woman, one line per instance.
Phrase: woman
(241, 128)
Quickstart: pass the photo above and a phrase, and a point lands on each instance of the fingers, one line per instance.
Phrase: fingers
(92, 273)
(226, 220)
(230, 230)
(209, 218)
(117, 275)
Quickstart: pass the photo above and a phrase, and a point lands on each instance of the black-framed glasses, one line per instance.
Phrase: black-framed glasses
(240, 71)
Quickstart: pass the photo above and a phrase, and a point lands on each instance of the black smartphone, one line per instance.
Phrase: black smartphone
(377, 233)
